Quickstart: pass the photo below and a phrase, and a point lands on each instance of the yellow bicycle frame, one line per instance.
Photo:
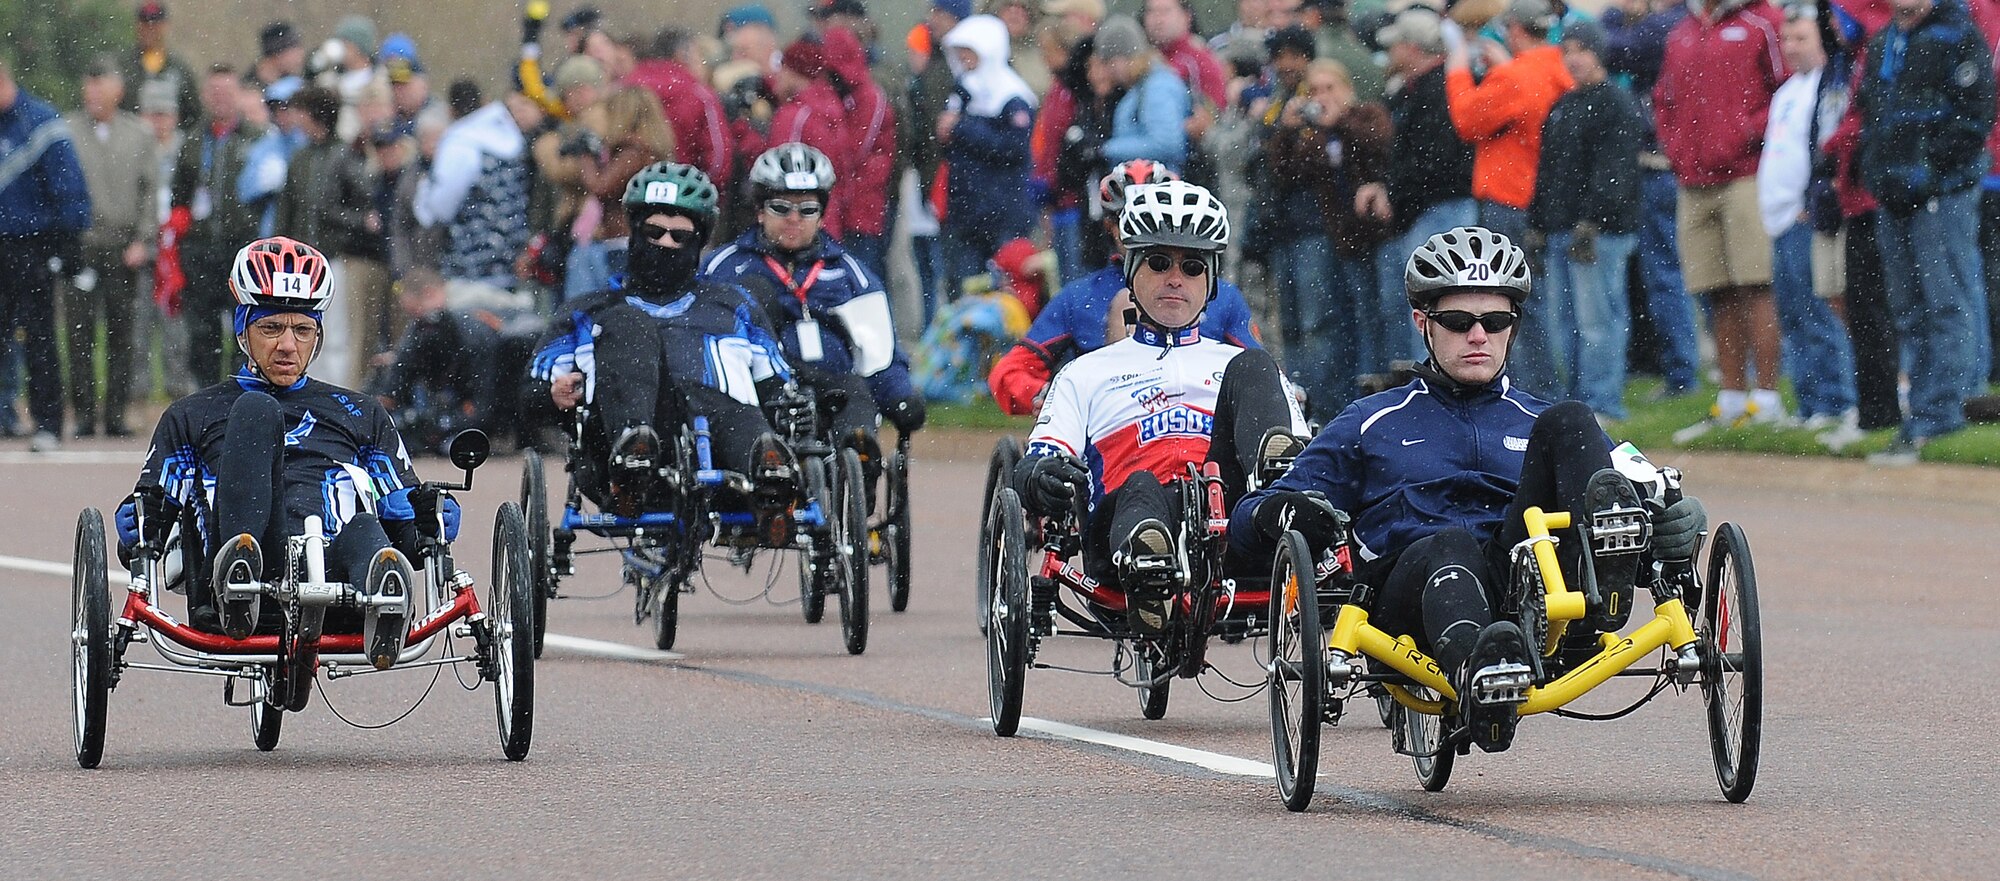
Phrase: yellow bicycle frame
(1354, 636)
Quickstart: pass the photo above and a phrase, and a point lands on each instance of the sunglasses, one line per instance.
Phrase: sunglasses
(782, 208)
(680, 237)
(1192, 267)
(1460, 321)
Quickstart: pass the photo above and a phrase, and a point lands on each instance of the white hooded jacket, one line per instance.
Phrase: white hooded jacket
(488, 131)
(993, 83)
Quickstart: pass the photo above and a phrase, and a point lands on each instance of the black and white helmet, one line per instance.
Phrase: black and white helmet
(1464, 258)
(1173, 214)
(792, 168)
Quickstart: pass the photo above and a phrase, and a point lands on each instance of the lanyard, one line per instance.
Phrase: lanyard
(798, 290)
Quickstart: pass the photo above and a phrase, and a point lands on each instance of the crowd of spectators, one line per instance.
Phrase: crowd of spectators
(1814, 181)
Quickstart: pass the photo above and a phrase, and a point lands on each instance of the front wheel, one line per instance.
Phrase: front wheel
(1297, 676)
(1149, 669)
(1731, 637)
(535, 513)
(267, 721)
(999, 471)
(667, 618)
(851, 557)
(812, 596)
(896, 534)
(511, 632)
(1006, 614)
(89, 639)
(1423, 736)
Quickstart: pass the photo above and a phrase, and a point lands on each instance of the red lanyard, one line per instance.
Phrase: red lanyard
(798, 290)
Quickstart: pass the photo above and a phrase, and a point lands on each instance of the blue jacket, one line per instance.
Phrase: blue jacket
(986, 186)
(848, 306)
(1925, 100)
(1410, 462)
(1073, 321)
(41, 182)
(1151, 120)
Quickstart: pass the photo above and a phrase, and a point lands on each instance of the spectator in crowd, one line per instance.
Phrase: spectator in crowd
(1150, 120)
(1286, 231)
(441, 379)
(1079, 160)
(1249, 28)
(1334, 38)
(212, 159)
(1817, 353)
(1586, 208)
(578, 26)
(1076, 18)
(560, 156)
(636, 135)
(1170, 27)
(263, 179)
(151, 61)
(1722, 65)
(752, 35)
(1326, 144)
(279, 54)
(932, 83)
(985, 129)
(670, 69)
(477, 191)
(810, 112)
(44, 205)
(1054, 126)
(411, 244)
(329, 198)
(355, 72)
(1926, 102)
(1501, 116)
(1635, 47)
(157, 323)
(1429, 185)
(115, 149)
(1231, 139)
(1024, 53)
(863, 191)
(409, 93)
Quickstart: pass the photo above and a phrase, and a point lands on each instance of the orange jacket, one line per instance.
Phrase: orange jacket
(1501, 117)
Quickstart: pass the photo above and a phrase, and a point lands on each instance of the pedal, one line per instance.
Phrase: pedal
(1503, 683)
(1620, 531)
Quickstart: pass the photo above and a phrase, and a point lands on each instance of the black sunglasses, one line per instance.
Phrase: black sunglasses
(1192, 267)
(1461, 321)
(680, 237)
(783, 208)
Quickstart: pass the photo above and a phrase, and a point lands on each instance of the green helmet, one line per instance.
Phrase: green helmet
(671, 185)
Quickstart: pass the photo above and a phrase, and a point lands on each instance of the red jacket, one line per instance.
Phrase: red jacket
(817, 118)
(1714, 94)
(1199, 69)
(1051, 125)
(863, 189)
(701, 131)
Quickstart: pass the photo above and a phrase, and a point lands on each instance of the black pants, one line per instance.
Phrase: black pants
(1451, 576)
(28, 302)
(1871, 327)
(205, 305)
(634, 387)
(1250, 402)
(111, 300)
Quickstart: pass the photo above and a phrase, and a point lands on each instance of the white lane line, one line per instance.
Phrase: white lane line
(613, 650)
(1217, 762)
(63, 570)
(73, 457)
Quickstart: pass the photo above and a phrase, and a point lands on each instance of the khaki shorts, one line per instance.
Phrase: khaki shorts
(1829, 264)
(1722, 238)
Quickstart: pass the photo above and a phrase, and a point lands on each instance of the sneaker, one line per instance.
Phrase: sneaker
(1903, 451)
(44, 442)
(774, 472)
(1147, 569)
(387, 595)
(634, 457)
(1492, 684)
(1275, 453)
(1619, 531)
(1844, 431)
(239, 568)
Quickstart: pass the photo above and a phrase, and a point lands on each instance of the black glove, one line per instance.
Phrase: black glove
(1677, 530)
(1049, 484)
(583, 142)
(1309, 513)
(1583, 243)
(424, 501)
(907, 414)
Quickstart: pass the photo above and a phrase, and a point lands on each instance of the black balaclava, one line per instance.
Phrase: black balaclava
(657, 272)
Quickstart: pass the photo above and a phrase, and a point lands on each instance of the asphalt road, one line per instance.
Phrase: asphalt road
(767, 752)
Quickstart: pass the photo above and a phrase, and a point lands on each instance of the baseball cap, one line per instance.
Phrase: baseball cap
(748, 15)
(1093, 9)
(584, 18)
(1417, 26)
(1534, 14)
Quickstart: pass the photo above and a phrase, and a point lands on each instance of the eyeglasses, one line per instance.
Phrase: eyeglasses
(306, 332)
(782, 208)
(680, 237)
(1192, 267)
(1461, 321)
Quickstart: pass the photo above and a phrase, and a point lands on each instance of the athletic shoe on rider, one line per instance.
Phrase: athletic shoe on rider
(387, 594)
(1492, 684)
(1275, 453)
(240, 562)
(1619, 532)
(774, 476)
(1146, 568)
(634, 458)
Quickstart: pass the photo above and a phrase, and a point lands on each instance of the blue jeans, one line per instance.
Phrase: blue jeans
(1396, 334)
(1660, 272)
(1930, 261)
(926, 253)
(1817, 354)
(1066, 237)
(1319, 344)
(1595, 318)
(1531, 363)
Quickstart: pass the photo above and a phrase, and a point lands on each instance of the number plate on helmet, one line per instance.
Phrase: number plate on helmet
(801, 180)
(291, 284)
(662, 191)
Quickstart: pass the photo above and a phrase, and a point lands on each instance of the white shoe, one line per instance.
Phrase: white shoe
(1846, 430)
(44, 442)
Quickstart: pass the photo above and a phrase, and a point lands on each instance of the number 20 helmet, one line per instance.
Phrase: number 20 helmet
(281, 273)
(1468, 257)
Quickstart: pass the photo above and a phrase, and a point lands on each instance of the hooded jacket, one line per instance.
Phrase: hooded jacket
(988, 154)
(1713, 99)
(1926, 102)
(478, 190)
(863, 188)
(701, 130)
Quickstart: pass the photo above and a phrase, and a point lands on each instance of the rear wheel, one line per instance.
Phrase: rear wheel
(1006, 614)
(1423, 736)
(1297, 677)
(1732, 661)
(896, 534)
(850, 560)
(999, 471)
(511, 619)
(267, 721)
(667, 618)
(535, 513)
(1147, 667)
(812, 597)
(89, 638)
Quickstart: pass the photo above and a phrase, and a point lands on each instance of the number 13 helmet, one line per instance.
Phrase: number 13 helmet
(1466, 258)
(281, 273)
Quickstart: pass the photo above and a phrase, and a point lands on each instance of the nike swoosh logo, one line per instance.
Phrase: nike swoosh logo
(1408, 443)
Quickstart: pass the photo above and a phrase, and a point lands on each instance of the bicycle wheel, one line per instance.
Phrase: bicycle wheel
(999, 471)
(535, 513)
(1007, 614)
(1152, 698)
(89, 638)
(1732, 661)
(812, 598)
(1423, 735)
(1297, 677)
(667, 618)
(851, 558)
(896, 541)
(267, 721)
(511, 619)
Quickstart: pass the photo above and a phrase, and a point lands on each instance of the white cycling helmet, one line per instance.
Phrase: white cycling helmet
(1466, 257)
(1173, 214)
(794, 168)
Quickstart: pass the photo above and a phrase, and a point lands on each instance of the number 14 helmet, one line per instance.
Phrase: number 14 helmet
(281, 273)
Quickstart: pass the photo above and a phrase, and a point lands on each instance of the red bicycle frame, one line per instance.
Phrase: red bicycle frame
(139, 609)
